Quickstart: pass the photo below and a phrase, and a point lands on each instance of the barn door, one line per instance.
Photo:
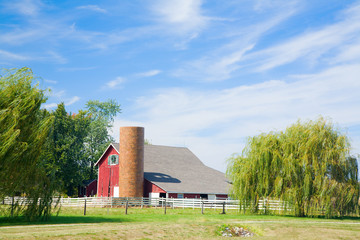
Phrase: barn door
(116, 192)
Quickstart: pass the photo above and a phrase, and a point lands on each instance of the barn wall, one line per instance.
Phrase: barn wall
(105, 171)
(150, 187)
(172, 195)
(91, 189)
(190, 195)
(193, 195)
(221, 196)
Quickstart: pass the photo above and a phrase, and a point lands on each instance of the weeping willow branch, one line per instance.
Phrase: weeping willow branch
(308, 167)
(23, 130)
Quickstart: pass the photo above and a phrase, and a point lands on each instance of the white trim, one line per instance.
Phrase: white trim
(111, 145)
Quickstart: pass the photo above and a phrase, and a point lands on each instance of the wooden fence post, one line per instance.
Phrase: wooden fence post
(85, 207)
(165, 207)
(12, 206)
(202, 207)
(223, 212)
(127, 205)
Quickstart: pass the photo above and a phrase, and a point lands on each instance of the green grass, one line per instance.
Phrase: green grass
(151, 223)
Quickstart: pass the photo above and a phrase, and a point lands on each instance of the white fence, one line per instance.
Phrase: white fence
(273, 205)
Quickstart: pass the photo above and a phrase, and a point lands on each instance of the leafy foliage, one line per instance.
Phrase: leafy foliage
(102, 114)
(41, 152)
(308, 167)
(64, 154)
(75, 143)
(23, 130)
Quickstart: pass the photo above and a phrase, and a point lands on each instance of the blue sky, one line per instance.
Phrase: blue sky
(200, 74)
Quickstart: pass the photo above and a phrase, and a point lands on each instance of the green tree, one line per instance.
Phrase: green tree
(102, 115)
(23, 130)
(64, 154)
(307, 166)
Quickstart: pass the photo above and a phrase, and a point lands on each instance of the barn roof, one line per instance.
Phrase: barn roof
(178, 170)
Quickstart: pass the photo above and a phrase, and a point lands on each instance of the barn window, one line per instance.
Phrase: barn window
(205, 196)
(113, 159)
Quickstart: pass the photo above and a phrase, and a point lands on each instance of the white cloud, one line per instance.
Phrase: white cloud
(150, 73)
(94, 8)
(182, 18)
(54, 56)
(221, 63)
(50, 81)
(49, 105)
(72, 100)
(215, 124)
(20, 36)
(312, 45)
(12, 56)
(210, 69)
(25, 7)
(68, 101)
(57, 94)
(114, 83)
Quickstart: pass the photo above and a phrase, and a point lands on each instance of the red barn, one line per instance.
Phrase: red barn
(167, 172)
(89, 188)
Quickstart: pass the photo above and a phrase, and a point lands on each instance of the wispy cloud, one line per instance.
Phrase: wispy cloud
(312, 45)
(72, 100)
(116, 83)
(182, 16)
(94, 8)
(194, 117)
(57, 94)
(220, 63)
(12, 56)
(49, 106)
(50, 81)
(54, 56)
(25, 7)
(75, 69)
(67, 102)
(150, 73)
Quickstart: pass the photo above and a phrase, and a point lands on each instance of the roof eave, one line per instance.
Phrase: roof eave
(110, 145)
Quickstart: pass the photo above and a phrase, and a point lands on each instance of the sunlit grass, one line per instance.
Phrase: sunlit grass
(152, 223)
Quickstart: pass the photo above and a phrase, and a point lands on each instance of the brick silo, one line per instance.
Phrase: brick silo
(131, 162)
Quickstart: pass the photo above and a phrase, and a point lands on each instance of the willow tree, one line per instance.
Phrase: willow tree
(23, 130)
(308, 167)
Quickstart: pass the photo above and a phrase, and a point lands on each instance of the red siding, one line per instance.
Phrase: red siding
(91, 189)
(150, 187)
(189, 195)
(172, 195)
(105, 171)
(221, 196)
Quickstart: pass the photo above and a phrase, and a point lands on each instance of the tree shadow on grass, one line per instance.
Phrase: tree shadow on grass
(18, 221)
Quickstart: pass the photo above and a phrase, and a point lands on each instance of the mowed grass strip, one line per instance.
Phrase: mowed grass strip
(151, 223)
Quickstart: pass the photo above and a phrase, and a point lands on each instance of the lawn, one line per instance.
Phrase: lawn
(151, 223)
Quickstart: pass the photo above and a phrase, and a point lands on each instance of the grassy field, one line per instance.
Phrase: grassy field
(151, 223)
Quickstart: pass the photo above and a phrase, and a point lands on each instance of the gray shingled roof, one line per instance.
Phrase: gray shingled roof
(178, 170)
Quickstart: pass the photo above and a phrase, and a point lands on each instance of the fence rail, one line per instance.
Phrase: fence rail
(273, 205)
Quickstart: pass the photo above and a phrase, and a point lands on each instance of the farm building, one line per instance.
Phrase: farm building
(132, 169)
(88, 188)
